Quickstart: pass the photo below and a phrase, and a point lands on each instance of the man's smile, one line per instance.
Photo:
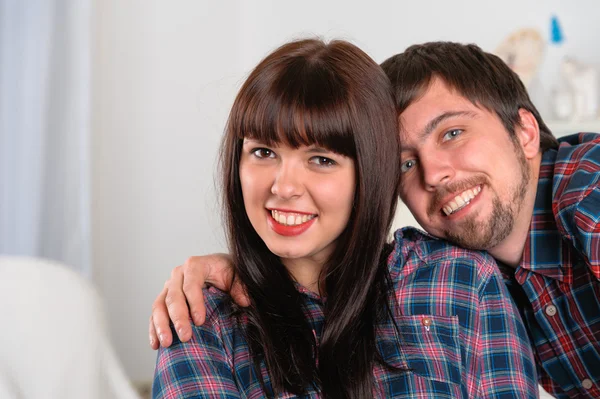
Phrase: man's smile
(461, 200)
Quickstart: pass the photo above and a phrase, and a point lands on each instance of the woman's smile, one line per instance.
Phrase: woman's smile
(289, 224)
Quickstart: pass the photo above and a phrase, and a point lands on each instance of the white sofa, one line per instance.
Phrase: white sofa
(53, 337)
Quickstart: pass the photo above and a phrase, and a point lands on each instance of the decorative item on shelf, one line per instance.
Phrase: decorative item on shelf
(556, 34)
(562, 102)
(522, 51)
(577, 96)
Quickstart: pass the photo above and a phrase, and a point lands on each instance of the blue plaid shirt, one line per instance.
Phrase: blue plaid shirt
(557, 283)
(459, 334)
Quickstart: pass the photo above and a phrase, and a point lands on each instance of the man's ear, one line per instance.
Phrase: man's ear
(528, 133)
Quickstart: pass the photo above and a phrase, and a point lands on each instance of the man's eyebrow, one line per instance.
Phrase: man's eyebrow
(430, 127)
(433, 124)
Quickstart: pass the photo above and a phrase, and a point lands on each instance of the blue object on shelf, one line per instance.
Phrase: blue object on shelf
(556, 35)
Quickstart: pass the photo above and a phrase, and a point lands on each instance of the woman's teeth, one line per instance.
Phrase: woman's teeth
(290, 219)
(461, 200)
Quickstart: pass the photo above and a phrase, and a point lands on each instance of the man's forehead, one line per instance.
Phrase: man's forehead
(432, 104)
(437, 96)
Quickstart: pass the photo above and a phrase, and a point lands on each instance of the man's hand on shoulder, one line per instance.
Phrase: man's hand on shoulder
(185, 287)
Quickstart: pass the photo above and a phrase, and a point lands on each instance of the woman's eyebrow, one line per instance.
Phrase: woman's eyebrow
(248, 141)
(317, 149)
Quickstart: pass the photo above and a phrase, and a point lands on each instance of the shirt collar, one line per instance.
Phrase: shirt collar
(543, 253)
(308, 293)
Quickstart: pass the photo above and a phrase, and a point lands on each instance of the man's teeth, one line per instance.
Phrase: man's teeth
(461, 200)
(290, 219)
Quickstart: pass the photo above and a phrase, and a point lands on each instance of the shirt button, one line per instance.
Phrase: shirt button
(587, 383)
(426, 321)
(551, 310)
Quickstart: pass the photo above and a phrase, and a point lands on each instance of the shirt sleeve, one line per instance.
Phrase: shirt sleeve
(199, 368)
(505, 358)
(577, 203)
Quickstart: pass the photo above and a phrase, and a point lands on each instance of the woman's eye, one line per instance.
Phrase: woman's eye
(407, 165)
(263, 153)
(451, 134)
(323, 161)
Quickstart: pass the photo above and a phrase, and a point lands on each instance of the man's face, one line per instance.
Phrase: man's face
(463, 177)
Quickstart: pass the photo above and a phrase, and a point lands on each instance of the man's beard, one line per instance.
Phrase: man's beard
(484, 235)
(472, 234)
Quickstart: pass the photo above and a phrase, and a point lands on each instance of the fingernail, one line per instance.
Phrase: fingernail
(161, 337)
(152, 340)
(196, 318)
(180, 332)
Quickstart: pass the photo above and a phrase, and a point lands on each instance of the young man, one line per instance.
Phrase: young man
(481, 169)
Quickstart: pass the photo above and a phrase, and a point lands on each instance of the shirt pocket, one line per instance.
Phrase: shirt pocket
(428, 345)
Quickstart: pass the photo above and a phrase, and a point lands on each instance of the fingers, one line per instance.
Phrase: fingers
(175, 301)
(160, 322)
(221, 275)
(185, 286)
(193, 281)
(239, 295)
(152, 337)
(218, 270)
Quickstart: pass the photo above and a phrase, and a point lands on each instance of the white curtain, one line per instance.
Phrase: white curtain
(45, 51)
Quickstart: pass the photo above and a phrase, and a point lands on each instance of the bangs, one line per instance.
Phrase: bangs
(310, 108)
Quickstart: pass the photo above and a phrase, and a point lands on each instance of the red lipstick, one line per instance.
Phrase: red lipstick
(289, 231)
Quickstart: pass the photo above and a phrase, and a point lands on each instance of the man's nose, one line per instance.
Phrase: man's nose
(437, 170)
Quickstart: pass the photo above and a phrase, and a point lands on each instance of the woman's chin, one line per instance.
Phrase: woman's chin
(287, 254)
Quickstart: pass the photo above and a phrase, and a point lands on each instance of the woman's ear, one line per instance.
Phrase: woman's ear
(528, 134)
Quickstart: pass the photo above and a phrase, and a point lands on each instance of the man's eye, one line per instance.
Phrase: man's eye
(452, 134)
(263, 153)
(323, 161)
(407, 165)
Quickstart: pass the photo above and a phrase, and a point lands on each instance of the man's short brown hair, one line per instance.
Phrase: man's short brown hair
(481, 77)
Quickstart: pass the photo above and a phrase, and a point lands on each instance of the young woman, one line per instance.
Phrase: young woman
(310, 168)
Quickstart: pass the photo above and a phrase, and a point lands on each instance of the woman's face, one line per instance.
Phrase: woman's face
(298, 200)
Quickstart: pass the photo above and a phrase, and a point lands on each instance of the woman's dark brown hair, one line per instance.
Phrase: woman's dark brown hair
(335, 96)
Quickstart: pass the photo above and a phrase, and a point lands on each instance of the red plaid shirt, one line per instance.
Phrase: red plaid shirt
(457, 331)
(558, 288)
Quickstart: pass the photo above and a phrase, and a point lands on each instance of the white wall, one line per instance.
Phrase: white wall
(165, 74)
(163, 82)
